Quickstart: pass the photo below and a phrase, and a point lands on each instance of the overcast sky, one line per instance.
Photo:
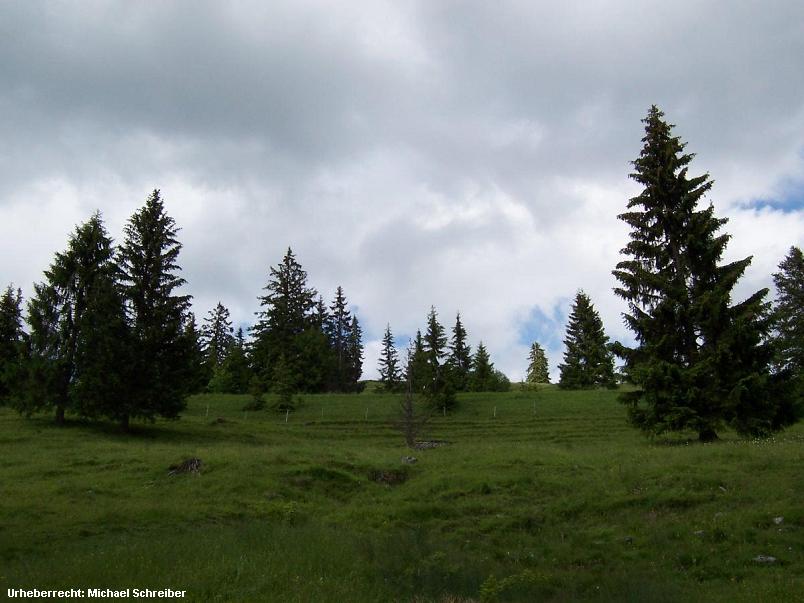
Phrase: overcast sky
(467, 155)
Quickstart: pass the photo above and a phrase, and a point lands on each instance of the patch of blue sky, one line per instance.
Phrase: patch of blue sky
(547, 329)
(790, 198)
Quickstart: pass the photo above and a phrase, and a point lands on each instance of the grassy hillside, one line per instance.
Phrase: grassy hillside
(554, 498)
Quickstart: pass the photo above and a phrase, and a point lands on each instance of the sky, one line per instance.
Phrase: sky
(471, 156)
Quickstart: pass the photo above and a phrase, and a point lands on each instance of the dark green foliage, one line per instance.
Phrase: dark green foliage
(484, 377)
(284, 384)
(321, 315)
(481, 369)
(234, 375)
(216, 336)
(788, 329)
(460, 356)
(103, 355)
(157, 314)
(322, 350)
(440, 385)
(788, 312)
(588, 362)
(79, 345)
(538, 370)
(12, 344)
(338, 328)
(388, 364)
(700, 363)
(197, 367)
(417, 371)
(287, 312)
(257, 393)
(354, 356)
(435, 340)
(48, 366)
(311, 361)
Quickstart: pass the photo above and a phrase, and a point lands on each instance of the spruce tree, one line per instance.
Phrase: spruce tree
(237, 365)
(217, 336)
(313, 361)
(234, 375)
(788, 312)
(354, 356)
(12, 344)
(700, 362)
(588, 362)
(440, 388)
(157, 313)
(460, 356)
(388, 364)
(288, 310)
(79, 354)
(482, 375)
(339, 331)
(538, 371)
(417, 369)
(199, 373)
(49, 364)
(435, 341)
(321, 315)
(103, 354)
(788, 328)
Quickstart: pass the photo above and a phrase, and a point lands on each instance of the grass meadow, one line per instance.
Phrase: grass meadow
(539, 496)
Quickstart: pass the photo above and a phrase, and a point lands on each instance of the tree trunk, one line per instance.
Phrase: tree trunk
(60, 414)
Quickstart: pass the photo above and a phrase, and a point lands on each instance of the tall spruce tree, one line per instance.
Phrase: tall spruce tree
(287, 312)
(321, 315)
(103, 354)
(482, 370)
(588, 362)
(435, 340)
(79, 340)
(700, 362)
(157, 313)
(788, 328)
(12, 344)
(417, 369)
(217, 336)
(440, 388)
(234, 374)
(788, 312)
(339, 331)
(388, 364)
(199, 373)
(538, 370)
(354, 355)
(460, 355)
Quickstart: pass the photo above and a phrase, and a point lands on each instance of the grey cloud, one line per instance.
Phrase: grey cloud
(416, 153)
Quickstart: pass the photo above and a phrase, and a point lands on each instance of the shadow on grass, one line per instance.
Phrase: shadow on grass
(151, 432)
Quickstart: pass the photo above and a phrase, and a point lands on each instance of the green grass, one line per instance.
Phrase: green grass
(565, 502)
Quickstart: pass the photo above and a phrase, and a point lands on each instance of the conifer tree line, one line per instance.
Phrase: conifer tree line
(437, 366)
(299, 344)
(110, 336)
(107, 333)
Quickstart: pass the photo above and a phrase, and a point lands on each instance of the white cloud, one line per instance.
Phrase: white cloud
(471, 156)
